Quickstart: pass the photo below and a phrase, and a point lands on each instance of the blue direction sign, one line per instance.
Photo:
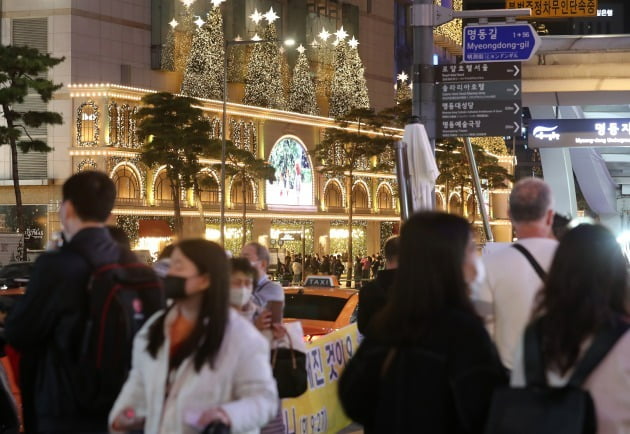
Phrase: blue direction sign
(500, 42)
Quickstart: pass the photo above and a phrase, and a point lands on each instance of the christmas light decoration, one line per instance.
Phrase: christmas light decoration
(203, 77)
(217, 3)
(263, 82)
(256, 17)
(183, 35)
(256, 38)
(402, 77)
(187, 3)
(348, 89)
(199, 22)
(341, 34)
(302, 95)
(271, 16)
(301, 49)
(324, 35)
(403, 89)
(353, 43)
(168, 50)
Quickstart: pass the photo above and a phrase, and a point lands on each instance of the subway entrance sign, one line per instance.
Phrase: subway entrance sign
(500, 43)
(556, 8)
(479, 100)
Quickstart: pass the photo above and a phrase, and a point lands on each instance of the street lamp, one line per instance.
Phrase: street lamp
(226, 45)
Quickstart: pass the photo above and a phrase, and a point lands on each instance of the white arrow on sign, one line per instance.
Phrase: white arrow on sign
(517, 89)
(517, 127)
(516, 70)
(517, 108)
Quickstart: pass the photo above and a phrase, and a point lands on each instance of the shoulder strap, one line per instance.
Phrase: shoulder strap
(532, 355)
(539, 270)
(603, 342)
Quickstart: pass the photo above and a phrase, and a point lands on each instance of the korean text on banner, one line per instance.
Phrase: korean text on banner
(319, 410)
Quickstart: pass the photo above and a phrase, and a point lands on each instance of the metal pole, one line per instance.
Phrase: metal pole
(477, 186)
(402, 175)
(223, 144)
(423, 72)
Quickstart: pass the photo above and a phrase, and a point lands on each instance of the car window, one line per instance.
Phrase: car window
(315, 307)
(319, 282)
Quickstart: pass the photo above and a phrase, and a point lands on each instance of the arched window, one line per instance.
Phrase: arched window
(439, 202)
(87, 124)
(454, 204)
(236, 194)
(210, 191)
(360, 197)
(127, 184)
(471, 204)
(163, 191)
(384, 198)
(333, 197)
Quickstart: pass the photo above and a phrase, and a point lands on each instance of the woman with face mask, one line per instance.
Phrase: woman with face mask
(428, 361)
(198, 362)
(242, 287)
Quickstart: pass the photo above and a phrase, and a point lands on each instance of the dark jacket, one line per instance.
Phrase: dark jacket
(373, 296)
(441, 384)
(46, 326)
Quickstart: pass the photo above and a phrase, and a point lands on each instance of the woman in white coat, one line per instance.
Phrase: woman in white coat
(198, 362)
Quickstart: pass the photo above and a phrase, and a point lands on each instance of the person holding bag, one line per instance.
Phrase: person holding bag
(427, 364)
(580, 339)
(198, 363)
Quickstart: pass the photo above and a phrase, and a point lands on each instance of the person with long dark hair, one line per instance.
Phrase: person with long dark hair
(586, 293)
(428, 364)
(198, 362)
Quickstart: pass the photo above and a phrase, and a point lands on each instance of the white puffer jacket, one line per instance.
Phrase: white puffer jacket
(241, 383)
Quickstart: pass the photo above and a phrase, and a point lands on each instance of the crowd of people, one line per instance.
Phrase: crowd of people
(445, 329)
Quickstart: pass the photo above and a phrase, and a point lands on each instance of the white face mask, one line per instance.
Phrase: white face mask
(240, 296)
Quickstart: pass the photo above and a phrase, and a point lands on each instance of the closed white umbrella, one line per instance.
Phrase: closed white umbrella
(423, 170)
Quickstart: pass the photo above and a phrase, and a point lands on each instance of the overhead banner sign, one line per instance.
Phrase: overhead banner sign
(318, 410)
(555, 8)
(567, 133)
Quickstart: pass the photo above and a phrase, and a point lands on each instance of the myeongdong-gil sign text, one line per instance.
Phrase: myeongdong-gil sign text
(556, 8)
(561, 133)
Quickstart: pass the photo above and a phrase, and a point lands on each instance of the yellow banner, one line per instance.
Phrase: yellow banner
(556, 8)
(319, 410)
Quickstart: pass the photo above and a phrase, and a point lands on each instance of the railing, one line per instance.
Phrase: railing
(130, 201)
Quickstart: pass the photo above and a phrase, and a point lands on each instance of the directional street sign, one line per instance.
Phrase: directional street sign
(555, 8)
(479, 99)
(500, 42)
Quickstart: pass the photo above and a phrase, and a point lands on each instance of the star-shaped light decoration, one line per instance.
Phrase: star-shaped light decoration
(324, 35)
(187, 3)
(256, 37)
(199, 22)
(173, 23)
(335, 42)
(256, 17)
(341, 34)
(217, 3)
(402, 77)
(238, 38)
(354, 43)
(271, 16)
(315, 43)
(301, 49)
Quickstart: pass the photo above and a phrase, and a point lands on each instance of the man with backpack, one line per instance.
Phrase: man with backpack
(75, 323)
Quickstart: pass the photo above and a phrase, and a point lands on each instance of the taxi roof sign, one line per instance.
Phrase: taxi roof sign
(555, 8)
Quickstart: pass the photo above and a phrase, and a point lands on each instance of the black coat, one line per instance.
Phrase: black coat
(441, 384)
(372, 298)
(46, 326)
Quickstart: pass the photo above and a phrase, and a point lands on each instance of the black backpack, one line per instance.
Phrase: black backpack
(121, 297)
(541, 409)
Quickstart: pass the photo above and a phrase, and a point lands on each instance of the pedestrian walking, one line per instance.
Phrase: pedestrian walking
(430, 365)
(64, 387)
(583, 308)
(515, 274)
(197, 362)
(357, 270)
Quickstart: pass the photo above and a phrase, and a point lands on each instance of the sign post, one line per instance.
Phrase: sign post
(500, 42)
(479, 99)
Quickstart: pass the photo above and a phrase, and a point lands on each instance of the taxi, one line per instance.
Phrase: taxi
(321, 305)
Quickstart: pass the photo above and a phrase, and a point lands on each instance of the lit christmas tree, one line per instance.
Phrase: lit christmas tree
(403, 88)
(357, 75)
(168, 50)
(285, 74)
(203, 77)
(302, 95)
(183, 39)
(263, 82)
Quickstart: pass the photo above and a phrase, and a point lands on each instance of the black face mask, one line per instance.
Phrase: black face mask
(175, 287)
